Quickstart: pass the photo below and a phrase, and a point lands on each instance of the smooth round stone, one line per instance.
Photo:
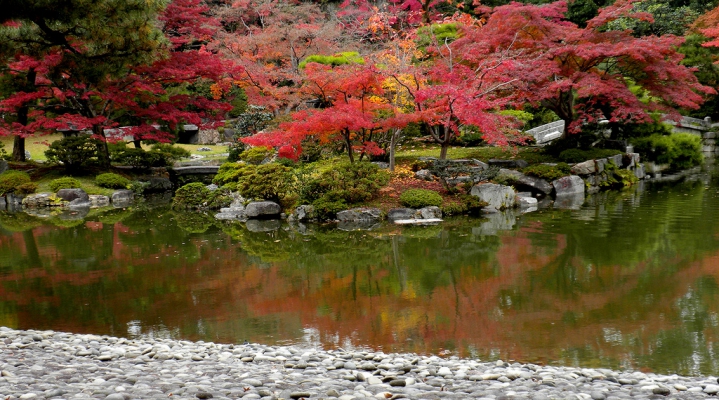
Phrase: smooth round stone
(203, 395)
(711, 389)
(398, 382)
(662, 390)
(597, 395)
(252, 382)
(115, 396)
(680, 387)
(297, 395)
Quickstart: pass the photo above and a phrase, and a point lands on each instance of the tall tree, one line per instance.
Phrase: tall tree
(586, 74)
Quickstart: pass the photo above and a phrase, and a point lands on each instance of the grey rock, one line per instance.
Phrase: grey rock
(639, 171)
(305, 212)
(298, 395)
(400, 213)
(78, 204)
(496, 196)
(526, 182)
(122, 198)
(381, 164)
(263, 209)
(569, 201)
(98, 201)
(662, 390)
(600, 164)
(37, 200)
(568, 185)
(430, 212)
(72, 194)
(360, 214)
(585, 168)
(3, 166)
(423, 174)
(231, 214)
(616, 160)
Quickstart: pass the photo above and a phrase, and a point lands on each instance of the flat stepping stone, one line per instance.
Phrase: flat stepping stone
(428, 221)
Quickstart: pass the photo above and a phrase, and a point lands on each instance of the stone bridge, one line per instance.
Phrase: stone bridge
(193, 173)
(704, 128)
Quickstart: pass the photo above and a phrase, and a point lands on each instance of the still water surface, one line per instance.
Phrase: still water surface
(630, 280)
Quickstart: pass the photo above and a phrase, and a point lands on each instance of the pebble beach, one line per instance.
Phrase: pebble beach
(56, 365)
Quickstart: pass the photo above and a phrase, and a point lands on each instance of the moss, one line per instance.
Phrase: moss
(418, 198)
(65, 182)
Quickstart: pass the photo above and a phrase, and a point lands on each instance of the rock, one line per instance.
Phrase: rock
(598, 395)
(431, 212)
(27, 155)
(600, 163)
(263, 209)
(360, 214)
(496, 196)
(79, 204)
(400, 213)
(526, 182)
(398, 382)
(711, 389)
(157, 184)
(662, 390)
(298, 395)
(98, 200)
(508, 163)
(305, 212)
(232, 214)
(381, 164)
(424, 175)
(569, 201)
(3, 166)
(639, 171)
(122, 198)
(584, 168)
(38, 200)
(263, 225)
(616, 160)
(203, 395)
(204, 149)
(568, 185)
(72, 194)
(526, 201)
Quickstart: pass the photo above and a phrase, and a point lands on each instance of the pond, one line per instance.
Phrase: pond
(630, 280)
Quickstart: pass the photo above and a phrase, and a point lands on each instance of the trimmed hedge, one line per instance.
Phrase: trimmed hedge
(65, 182)
(11, 181)
(112, 181)
(419, 198)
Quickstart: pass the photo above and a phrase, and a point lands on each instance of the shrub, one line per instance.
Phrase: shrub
(679, 150)
(467, 204)
(268, 181)
(112, 181)
(230, 173)
(197, 195)
(74, 153)
(26, 188)
(170, 153)
(137, 158)
(10, 181)
(578, 155)
(327, 207)
(65, 182)
(256, 155)
(418, 198)
(349, 182)
(548, 172)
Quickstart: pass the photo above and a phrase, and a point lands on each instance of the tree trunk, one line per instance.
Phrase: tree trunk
(18, 146)
(443, 150)
(393, 147)
(103, 152)
(348, 143)
(137, 144)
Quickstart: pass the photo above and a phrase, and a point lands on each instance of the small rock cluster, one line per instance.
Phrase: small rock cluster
(75, 199)
(54, 365)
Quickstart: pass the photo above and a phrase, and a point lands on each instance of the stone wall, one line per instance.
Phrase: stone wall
(595, 173)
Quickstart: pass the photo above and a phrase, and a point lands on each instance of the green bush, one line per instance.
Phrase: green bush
(418, 198)
(112, 181)
(74, 152)
(679, 150)
(256, 155)
(328, 207)
(468, 204)
(230, 173)
(268, 182)
(170, 153)
(65, 182)
(578, 155)
(197, 196)
(26, 188)
(548, 172)
(10, 181)
(349, 182)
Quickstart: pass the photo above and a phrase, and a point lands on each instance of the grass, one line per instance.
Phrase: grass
(532, 155)
(37, 145)
(42, 176)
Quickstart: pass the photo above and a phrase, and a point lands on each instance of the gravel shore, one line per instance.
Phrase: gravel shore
(46, 364)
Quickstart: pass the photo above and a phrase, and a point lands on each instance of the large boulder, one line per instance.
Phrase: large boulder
(232, 214)
(568, 185)
(526, 182)
(98, 200)
(360, 214)
(122, 198)
(496, 196)
(584, 168)
(431, 212)
(263, 209)
(72, 194)
(400, 213)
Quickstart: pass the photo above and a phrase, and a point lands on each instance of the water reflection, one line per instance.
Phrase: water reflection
(627, 280)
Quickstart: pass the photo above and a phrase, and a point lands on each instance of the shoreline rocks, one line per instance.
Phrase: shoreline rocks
(47, 364)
